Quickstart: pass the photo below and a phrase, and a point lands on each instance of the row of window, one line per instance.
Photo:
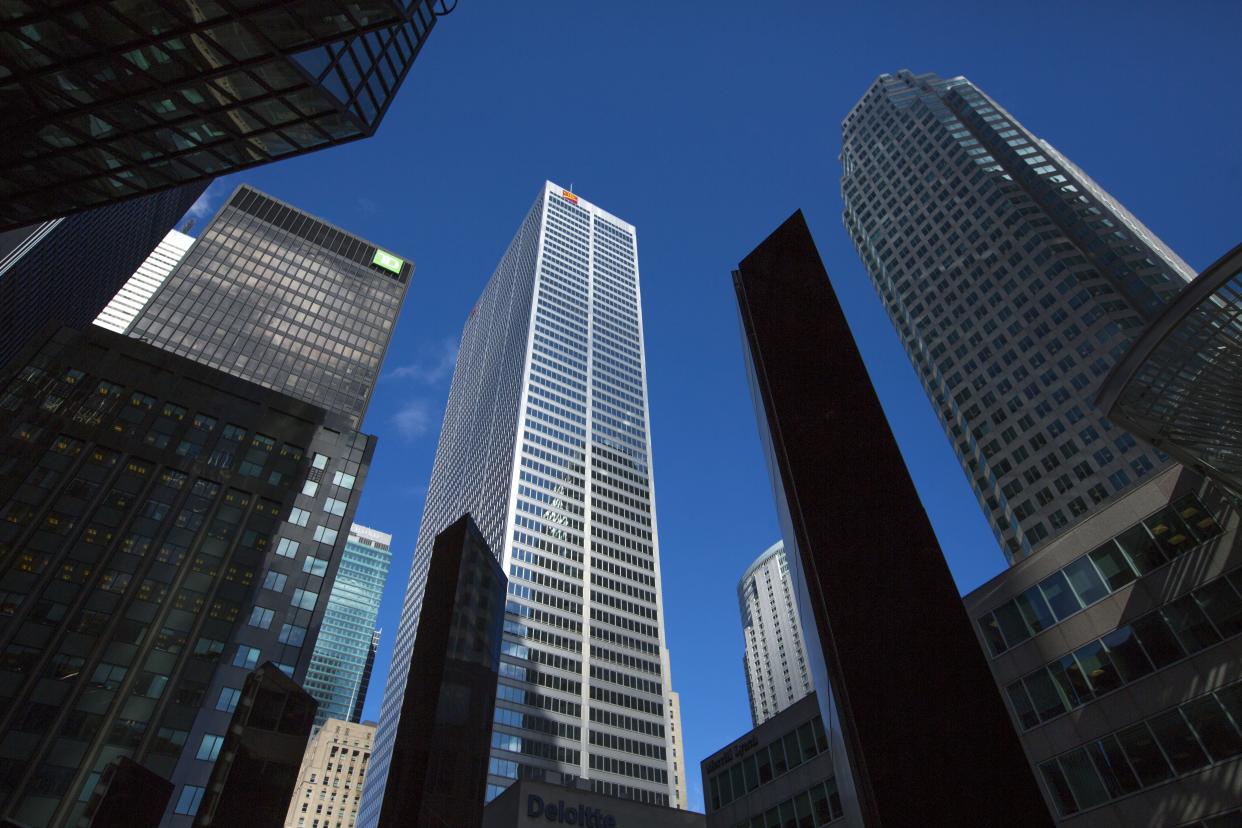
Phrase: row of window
(768, 762)
(1147, 545)
(1179, 741)
(819, 805)
(1128, 653)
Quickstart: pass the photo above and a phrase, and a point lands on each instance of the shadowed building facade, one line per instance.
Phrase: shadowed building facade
(778, 774)
(67, 270)
(106, 101)
(896, 666)
(1119, 652)
(256, 773)
(437, 773)
(164, 529)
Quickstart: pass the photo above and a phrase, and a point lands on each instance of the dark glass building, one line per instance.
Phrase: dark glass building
(919, 733)
(164, 529)
(1177, 388)
(438, 771)
(361, 700)
(253, 780)
(276, 296)
(109, 100)
(67, 270)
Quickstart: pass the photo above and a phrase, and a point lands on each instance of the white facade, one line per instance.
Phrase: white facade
(545, 443)
(777, 673)
(133, 296)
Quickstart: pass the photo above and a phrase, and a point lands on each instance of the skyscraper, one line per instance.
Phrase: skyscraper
(164, 529)
(777, 671)
(360, 700)
(67, 269)
(274, 295)
(170, 523)
(330, 779)
(337, 674)
(106, 101)
(133, 296)
(546, 443)
(1015, 283)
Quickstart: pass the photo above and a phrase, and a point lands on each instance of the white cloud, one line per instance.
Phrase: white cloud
(414, 419)
(204, 206)
(434, 366)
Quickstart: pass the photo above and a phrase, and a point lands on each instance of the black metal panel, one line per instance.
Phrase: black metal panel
(927, 735)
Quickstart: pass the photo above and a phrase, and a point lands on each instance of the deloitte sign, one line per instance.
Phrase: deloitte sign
(562, 814)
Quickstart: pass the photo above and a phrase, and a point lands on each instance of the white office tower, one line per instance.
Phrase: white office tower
(777, 673)
(545, 442)
(133, 296)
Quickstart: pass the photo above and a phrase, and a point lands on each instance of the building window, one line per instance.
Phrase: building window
(187, 803)
(227, 702)
(209, 748)
(261, 617)
(246, 657)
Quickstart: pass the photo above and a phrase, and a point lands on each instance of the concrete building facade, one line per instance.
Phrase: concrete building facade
(1015, 283)
(778, 774)
(1118, 652)
(330, 780)
(775, 659)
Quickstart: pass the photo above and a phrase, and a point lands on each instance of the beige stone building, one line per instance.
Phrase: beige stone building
(330, 780)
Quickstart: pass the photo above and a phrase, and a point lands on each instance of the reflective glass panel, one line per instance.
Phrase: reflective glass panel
(1061, 598)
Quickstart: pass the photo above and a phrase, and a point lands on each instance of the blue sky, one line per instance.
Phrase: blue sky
(705, 125)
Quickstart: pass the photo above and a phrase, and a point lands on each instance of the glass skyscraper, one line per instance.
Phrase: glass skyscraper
(777, 671)
(105, 101)
(164, 529)
(545, 442)
(170, 523)
(337, 676)
(274, 295)
(1015, 283)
